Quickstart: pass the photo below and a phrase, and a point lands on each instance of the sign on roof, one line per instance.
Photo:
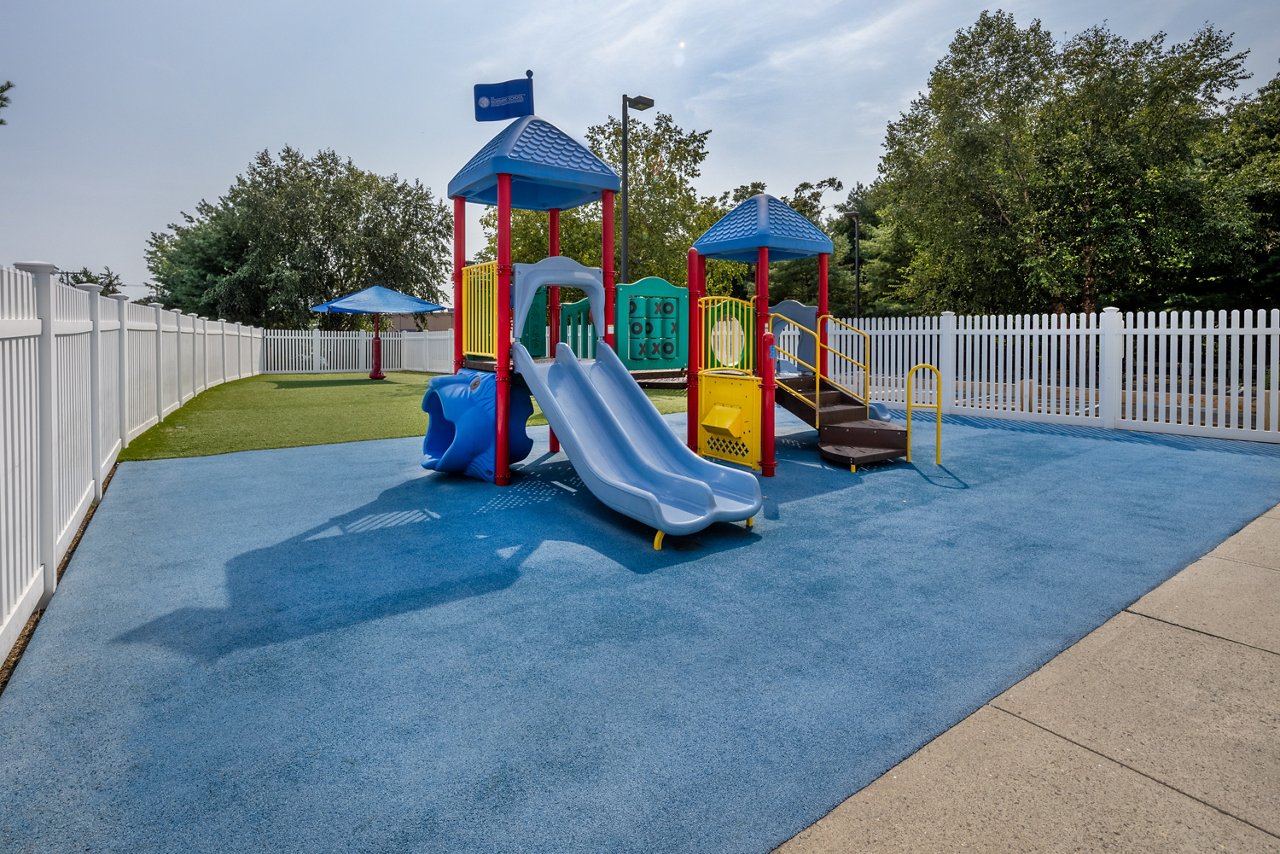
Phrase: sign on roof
(508, 100)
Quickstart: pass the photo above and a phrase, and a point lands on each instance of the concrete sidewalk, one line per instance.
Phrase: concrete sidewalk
(1160, 731)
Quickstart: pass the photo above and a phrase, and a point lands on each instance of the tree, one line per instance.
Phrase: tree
(294, 232)
(4, 96)
(1126, 212)
(108, 279)
(1247, 161)
(1034, 177)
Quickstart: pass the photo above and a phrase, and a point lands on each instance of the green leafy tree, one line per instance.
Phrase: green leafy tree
(108, 279)
(1033, 176)
(1247, 162)
(1125, 211)
(293, 232)
(4, 96)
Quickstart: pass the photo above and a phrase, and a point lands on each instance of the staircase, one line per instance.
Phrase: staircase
(847, 435)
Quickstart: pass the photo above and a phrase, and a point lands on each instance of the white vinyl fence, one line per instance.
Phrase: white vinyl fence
(311, 351)
(81, 375)
(1194, 373)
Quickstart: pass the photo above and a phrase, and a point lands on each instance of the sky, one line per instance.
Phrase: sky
(125, 114)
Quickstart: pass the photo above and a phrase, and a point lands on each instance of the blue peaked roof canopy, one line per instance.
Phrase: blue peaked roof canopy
(376, 300)
(759, 221)
(548, 169)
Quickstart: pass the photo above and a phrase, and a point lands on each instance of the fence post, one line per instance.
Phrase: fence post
(315, 351)
(196, 340)
(1112, 360)
(177, 357)
(222, 326)
(122, 361)
(947, 361)
(204, 342)
(159, 307)
(42, 275)
(95, 385)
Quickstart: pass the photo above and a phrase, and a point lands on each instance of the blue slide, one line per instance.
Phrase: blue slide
(625, 452)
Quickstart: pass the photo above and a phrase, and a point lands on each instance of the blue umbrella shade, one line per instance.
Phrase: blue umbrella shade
(377, 300)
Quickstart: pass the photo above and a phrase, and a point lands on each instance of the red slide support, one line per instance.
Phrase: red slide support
(695, 348)
(502, 463)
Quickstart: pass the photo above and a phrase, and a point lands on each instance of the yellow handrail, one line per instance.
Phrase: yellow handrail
(936, 406)
(866, 351)
(728, 327)
(480, 310)
(820, 375)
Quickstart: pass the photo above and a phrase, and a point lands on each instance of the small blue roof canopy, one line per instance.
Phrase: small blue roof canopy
(376, 300)
(762, 220)
(548, 168)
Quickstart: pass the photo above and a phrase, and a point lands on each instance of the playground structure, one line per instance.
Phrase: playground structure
(517, 339)
(744, 356)
(619, 444)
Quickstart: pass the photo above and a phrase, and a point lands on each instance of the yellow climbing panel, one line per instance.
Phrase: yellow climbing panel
(729, 417)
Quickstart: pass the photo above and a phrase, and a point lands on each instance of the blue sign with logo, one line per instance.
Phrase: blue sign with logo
(497, 101)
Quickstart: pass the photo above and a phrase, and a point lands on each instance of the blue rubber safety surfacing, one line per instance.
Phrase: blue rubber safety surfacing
(327, 649)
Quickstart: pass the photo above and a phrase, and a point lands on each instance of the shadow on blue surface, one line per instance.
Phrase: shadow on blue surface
(367, 564)
(324, 649)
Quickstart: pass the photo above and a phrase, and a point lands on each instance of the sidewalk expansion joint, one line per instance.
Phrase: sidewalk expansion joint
(1137, 771)
(1200, 632)
(1242, 562)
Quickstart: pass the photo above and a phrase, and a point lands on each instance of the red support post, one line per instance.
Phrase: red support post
(823, 261)
(768, 459)
(695, 349)
(502, 464)
(376, 373)
(553, 297)
(459, 261)
(606, 200)
(764, 361)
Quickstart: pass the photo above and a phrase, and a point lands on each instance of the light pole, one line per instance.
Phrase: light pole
(639, 102)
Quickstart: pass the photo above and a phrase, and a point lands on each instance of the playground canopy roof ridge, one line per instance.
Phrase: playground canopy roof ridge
(762, 220)
(549, 169)
(376, 300)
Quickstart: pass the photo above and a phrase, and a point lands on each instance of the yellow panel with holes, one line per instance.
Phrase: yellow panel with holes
(729, 417)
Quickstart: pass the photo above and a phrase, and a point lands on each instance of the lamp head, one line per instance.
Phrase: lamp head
(638, 102)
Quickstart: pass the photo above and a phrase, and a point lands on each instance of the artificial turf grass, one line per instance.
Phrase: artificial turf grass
(292, 410)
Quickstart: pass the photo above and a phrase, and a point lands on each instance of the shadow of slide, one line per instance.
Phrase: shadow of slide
(388, 557)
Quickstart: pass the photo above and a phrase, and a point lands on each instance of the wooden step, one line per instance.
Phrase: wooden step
(868, 433)
(807, 414)
(862, 443)
(843, 413)
(852, 455)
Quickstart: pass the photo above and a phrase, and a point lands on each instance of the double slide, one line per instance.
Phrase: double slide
(618, 442)
(624, 451)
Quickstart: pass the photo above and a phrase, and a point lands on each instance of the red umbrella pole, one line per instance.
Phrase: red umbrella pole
(376, 373)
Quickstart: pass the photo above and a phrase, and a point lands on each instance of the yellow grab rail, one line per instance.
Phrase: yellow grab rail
(795, 359)
(480, 310)
(728, 334)
(866, 350)
(936, 406)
